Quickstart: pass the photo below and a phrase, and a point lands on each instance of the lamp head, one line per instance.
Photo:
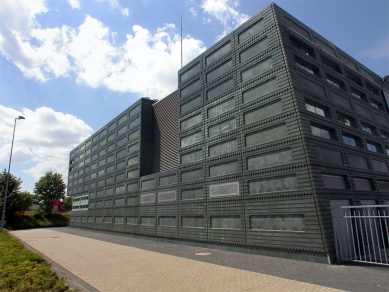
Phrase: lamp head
(21, 118)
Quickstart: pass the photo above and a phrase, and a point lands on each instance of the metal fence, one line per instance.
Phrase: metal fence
(361, 234)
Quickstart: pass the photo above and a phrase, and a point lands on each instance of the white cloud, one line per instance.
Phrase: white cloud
(144, 62)
(225, 12)
(43, 140)
(75, 4)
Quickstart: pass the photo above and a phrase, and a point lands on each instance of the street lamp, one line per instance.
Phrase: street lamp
(9, 168)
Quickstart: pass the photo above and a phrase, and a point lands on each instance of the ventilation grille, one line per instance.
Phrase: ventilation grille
(229, 189)
(165, 142)
(167, 196)
(147, 198)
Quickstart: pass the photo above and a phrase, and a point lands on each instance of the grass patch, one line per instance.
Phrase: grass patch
(22, 270)
(38, 219)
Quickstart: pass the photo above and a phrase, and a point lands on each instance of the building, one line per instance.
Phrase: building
(269, 128)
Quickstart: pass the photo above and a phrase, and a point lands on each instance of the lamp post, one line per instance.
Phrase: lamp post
(9, 168)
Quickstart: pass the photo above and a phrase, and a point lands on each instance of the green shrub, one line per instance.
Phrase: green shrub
(22, 270)
(39, 213)
(38, 219)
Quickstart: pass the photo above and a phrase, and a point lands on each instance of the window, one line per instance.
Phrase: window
(368, 129)
(372, 147)
(335, 82)
(305, 66)
(384, 134)
(331, 65)
(334, 181)
(387, 150)
(346, 120)
(305, 49)
(323, 133)
(354, 78)
(349, 140)
(357, 94)
(376, 104)
(372, 89)
(317, 109)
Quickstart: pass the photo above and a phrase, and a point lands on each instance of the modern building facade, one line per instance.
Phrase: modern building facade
(269, 128)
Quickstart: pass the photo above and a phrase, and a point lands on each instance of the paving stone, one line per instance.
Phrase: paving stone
(108, 262)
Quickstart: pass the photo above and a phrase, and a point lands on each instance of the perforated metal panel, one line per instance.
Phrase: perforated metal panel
(147, 198)
(221, 190)
(166, 196)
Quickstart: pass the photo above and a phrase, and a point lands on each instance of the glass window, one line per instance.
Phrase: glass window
(320, 132)
(372, 147)
(335, 82)
(349, 140)
(330, 64)
(372, 89)
(357, 94)
(367, 128)
(305, 66)
(305, 49)
(384, 134)
(354, 78)
(376, 104)
(345, 119)
(315, 109)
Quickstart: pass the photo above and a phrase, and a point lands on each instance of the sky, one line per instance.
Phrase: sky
(71, 66)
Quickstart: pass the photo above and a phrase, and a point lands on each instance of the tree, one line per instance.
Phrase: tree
(14, 186)
(50, 188)
(69, 203)
(25, 201)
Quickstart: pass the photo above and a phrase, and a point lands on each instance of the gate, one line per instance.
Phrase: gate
(361, 233)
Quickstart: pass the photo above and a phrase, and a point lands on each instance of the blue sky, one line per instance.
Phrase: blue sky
(70, 66)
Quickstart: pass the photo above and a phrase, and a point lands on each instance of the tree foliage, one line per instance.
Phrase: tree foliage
(69, 203)
(50, 188)
(25, 201)
(14, 186)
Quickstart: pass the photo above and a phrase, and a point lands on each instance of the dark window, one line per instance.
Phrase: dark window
(346, 120)
(358, 94)
(335, 82)
(305, 66)
(384, 134)
(322, 132)
(305, 49)
(376, 104)
(372, 89)
(368, 129)
(373, 147)
(350, 140)
(331, 64)
(354, 78)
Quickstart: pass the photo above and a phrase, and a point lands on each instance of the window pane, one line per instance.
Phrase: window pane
(320, 111)
(315, 131)
(311, 108)
(372, 147)
(349, 141)
(325, 134)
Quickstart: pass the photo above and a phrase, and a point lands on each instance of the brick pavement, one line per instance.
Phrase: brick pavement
(107, 262)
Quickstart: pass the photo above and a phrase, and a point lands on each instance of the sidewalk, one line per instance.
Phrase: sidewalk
(106, 262)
